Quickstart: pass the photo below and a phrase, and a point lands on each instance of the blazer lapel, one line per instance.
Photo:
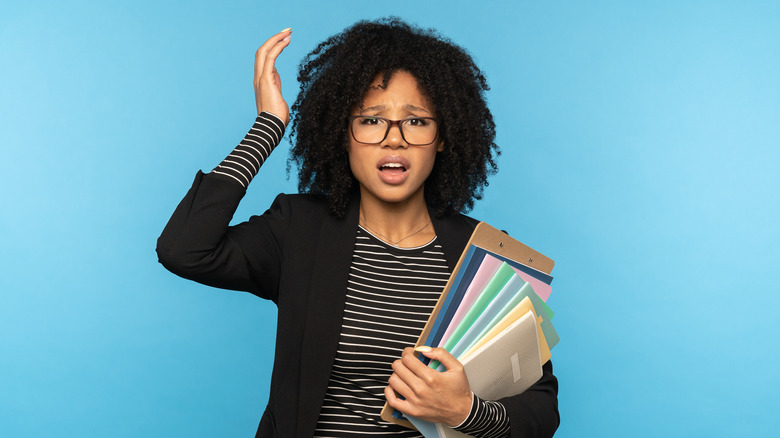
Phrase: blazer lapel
(325, 311)
(453, 233)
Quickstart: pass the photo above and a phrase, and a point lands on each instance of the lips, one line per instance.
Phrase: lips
(393, 169)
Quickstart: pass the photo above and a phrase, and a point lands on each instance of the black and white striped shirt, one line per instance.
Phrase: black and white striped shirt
(244, 162)
(390, 294)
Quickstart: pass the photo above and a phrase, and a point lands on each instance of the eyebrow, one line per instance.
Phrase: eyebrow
(407, 107)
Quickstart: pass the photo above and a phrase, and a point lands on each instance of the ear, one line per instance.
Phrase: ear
(440, 147)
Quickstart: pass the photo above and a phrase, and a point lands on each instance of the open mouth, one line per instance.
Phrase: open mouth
(392, 168)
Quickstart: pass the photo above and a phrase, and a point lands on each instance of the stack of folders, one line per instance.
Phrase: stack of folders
(493, 317)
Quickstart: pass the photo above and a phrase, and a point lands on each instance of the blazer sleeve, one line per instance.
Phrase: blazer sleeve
(534, 413)
(198, 243)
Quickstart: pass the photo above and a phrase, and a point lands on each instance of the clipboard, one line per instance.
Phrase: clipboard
(492, 240)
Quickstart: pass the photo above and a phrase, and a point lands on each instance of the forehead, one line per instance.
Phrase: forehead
(402, 89)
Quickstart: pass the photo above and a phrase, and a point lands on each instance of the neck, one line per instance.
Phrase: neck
(404, 224)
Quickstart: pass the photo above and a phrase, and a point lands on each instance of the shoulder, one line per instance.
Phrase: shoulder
(300, 203)
(295, 210)
(454, 231)
(467, 220)
(456, 223)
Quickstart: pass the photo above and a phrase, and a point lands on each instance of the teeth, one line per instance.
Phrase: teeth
(393, 165)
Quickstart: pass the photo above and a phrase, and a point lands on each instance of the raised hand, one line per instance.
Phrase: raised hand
(268, 84)
(428, 394)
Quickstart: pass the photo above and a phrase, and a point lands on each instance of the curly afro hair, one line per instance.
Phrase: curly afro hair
(335, 77)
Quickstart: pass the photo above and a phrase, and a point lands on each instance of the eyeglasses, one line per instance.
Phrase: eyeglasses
(416, 131)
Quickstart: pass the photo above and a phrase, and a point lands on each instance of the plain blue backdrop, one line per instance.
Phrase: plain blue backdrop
(640, 151)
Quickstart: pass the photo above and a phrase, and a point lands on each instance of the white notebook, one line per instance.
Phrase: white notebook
(506, 365)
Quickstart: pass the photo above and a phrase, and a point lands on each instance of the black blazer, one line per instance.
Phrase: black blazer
(298, 255)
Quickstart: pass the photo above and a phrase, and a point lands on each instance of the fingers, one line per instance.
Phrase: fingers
(411, 377)
(403, 404)
(409, 374)
(448, 360)
(267, 83)
(415, 365)
(399, 385)
(440, 397)
(396, 402)
(273, 53)
(262, 52)
(399, 393)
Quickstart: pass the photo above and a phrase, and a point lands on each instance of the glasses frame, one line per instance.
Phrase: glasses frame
(390, 124)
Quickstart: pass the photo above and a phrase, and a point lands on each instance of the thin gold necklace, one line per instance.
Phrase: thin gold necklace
(389, 240)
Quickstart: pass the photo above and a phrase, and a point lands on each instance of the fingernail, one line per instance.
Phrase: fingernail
(289, 29)
(287, 38)
(423, 349)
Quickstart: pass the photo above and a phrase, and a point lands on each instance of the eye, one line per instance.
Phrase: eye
(416, 122)
(370, 121)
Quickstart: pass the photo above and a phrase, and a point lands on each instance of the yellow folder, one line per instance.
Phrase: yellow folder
(521, 309)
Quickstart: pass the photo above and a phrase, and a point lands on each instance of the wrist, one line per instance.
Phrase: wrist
(462, 411)
(269, 113)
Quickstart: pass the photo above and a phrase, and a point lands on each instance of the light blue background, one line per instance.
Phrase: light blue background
(640, 151)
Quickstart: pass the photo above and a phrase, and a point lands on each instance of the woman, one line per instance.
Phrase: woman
(393, 139)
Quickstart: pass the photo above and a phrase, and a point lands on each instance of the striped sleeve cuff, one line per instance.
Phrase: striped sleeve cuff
(244, 162)
(487, 419)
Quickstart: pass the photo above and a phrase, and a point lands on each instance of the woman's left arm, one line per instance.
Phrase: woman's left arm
(445, 397)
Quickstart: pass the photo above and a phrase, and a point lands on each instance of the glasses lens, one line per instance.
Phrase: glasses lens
(369, 129)
(372, 130)
(419, 131)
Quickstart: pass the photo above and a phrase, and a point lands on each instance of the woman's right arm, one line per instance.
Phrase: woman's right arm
(197, 242)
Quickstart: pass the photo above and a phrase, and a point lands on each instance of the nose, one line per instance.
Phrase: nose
(395, 139)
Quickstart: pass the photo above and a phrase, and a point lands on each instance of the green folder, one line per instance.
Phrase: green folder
(540, 307)
(501, 277)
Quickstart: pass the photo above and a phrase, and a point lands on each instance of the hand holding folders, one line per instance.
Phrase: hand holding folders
(492, 317)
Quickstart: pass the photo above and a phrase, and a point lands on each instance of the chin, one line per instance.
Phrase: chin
(395, 197)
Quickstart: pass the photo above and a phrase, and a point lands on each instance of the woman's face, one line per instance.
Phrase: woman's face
(392, 171)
